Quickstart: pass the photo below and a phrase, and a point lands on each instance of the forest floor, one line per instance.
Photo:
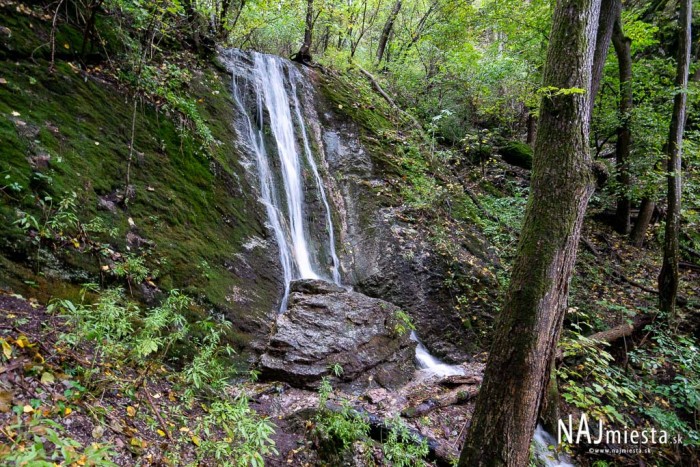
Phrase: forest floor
(95, 407)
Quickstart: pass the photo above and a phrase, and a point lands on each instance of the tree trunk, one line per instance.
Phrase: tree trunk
(386, 32)
(304, 54)
(530, 322)
(668, 278)
(609, 11)
(531, 127)
(624, 135)
(646, 211)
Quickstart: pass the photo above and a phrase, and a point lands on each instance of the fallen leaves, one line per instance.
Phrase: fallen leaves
(47, 378)
(131, 411)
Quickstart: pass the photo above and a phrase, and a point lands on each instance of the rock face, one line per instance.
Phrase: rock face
(326, 325)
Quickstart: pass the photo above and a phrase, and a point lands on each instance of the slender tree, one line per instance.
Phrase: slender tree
(529, 324)
(622, 45)
(609, 10)
(646, 211)
(387, 30)
(304, 54)
(668, 278)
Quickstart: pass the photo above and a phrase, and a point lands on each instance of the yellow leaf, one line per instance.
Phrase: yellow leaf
(23, 342)
(161, 432)
(75, 243)
(47, 378)
(28, 409)
(67, 411)
(131, 411)
(196, 440)
(6, 349)
(66, 46)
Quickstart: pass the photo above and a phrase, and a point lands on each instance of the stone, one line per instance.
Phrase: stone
(517, 154)
(327, 325)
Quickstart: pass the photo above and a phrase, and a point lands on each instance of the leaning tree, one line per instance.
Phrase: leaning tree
(528, 328)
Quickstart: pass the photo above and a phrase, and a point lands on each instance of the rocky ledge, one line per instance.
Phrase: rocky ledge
(326, 325)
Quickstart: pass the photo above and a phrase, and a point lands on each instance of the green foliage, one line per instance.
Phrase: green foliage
(121, 328)
(338, 429)
(668, 374)
(404, 323)
(133, 269)
(38, 441)
(246, 437)
(56, 226)
(592, 383)
(403, 448)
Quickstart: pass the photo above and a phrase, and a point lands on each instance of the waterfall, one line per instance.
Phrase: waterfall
(274, 85)
(545, 455)
(430, 364)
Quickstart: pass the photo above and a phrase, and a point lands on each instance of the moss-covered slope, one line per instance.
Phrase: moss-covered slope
(70, 131)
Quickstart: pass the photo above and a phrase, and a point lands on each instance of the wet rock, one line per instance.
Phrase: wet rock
(326, 325)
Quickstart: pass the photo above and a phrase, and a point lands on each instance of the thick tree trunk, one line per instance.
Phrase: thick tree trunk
(304, 54)
(624, 135)
(386, 32)
(668, 278)
(646, 211)
(530, 322)
(609, 10)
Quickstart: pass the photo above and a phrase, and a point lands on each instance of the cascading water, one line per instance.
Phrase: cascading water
(432, 365)
(276, 98)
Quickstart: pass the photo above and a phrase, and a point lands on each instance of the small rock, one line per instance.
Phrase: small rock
(98, 431)
(105, 204)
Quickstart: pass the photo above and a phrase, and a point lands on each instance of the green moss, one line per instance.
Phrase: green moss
(518, 154)
(191, 202)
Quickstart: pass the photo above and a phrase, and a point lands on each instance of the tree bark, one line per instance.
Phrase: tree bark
(304, 54)
(386, 32)
(668, 278)
(646, 211)
(609, 11)
(530, 322)
(624, 134)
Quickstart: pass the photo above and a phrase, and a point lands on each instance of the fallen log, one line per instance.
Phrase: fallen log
(377, 87)
(615, 333)
(460, 395)
(458, 380)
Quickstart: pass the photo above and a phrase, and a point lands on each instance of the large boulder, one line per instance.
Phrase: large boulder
(326, 325)
(518, 154)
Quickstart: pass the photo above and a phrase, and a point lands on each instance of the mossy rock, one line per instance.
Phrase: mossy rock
(517, 154)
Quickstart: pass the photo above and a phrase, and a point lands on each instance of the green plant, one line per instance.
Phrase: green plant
(55, 227)
(404, 323)
(209, 368)
(338, 429)
(246, 436)
(592, 383)
(133, 268)
(31, 439)
(403, 448)
(336, 369)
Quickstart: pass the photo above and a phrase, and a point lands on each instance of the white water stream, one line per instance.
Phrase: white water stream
(274, 85)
